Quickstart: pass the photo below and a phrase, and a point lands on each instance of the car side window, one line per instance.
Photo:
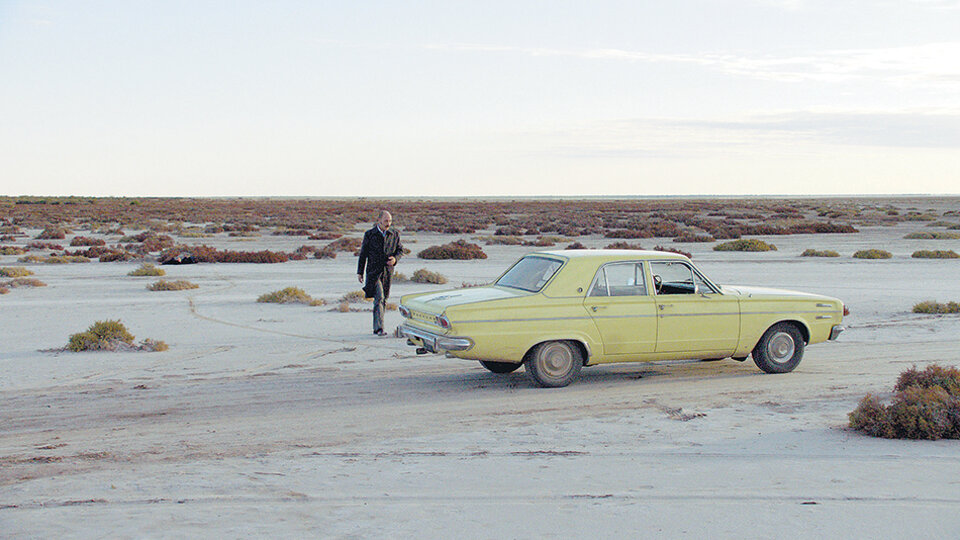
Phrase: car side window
(671, 277)
(620, 279)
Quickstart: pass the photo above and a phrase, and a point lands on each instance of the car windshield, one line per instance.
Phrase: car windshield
(530, 273)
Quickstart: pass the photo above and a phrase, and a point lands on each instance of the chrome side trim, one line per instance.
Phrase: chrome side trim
(434, 342)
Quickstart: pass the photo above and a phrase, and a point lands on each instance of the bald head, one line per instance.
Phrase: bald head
(384, 220)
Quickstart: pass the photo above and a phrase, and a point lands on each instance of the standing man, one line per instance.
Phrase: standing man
(380, 251)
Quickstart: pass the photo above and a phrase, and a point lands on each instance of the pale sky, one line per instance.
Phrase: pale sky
(408, 98)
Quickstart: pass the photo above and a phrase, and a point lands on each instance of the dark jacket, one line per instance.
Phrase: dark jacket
(374, 251)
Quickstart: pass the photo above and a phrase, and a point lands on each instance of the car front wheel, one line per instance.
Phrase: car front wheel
(780, 349)
(500, 367)
(554, 363)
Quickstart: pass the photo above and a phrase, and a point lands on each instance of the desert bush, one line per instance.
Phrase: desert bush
(7, 238)
(353, 297)
(745, 244)
(501, 240)
(821, 228)
(12, 250)
(14, 271)
(211, 255)
(178, 285)
(819, 253)
(345, 244)
(673, 250)
(460, 250)
(425, 276)
(110, 335)
(933, 235)
(935, 254)
(926, 405)
(623, 245)
(325, 253)
(45, 245)
(933, 307)
(147, 269)
(117, 255)
(30, 259)
(398, 277)
(52, 233)
(85, 241)
(576, 245)
(342, 307)
(324, 235)
(872, 254)
(54, 259)
(508, 231)
(694, 238)
(290, 295)
(4, 290)
(23, 282)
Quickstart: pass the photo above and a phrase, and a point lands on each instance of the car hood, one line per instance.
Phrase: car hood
(765, 292)
(437, 302)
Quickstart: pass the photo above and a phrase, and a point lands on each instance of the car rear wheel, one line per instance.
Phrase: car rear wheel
(554, 363)
(500, 367)
(780, 349)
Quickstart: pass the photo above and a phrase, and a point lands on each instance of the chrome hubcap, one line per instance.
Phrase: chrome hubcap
(781, 347)
(556, 360)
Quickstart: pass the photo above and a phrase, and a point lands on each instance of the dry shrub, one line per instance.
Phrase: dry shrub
(501, 240)
(30, 259)
(178, 285)
(935, 254)
(459, 250)
(111, 335)
(345, 244)
(12, 250)
(54, 259)
(425, 276)
(324, 235)
(45, 245)
(933, 235)
(343, 307)
(933, 307)
(399, 277)
(542, 241)
(4, 290)
(817, 253)
(52, 233)
(821, 228)
(211, 255)
(325, 253)
(14, 271)
(23, 282)
(745, 244)
(623, 245)
(353, 297)
(147, 269)
(692, 238)
(673, 250)
(117, 255)
(926, 405)
(576, 245)
(872, 254)
(290, 295)
(85, 241)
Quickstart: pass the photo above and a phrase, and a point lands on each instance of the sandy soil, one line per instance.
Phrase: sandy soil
(295, 421)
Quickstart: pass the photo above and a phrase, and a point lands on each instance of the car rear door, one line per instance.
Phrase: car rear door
(622, 308)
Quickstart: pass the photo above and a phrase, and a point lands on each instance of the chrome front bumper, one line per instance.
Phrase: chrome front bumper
(835, 332)
(435, 342)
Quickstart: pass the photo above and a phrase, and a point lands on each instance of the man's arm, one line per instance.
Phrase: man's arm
(362, 260)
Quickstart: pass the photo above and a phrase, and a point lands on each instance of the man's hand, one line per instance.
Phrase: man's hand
(360, 278)
(391, 260)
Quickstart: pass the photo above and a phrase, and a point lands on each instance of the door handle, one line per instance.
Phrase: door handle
(664, 306)
(595, 308)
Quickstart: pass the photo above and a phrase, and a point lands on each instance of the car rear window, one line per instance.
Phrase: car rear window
(530, 273)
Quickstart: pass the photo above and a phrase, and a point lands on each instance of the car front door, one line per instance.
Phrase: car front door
(692, 316)
(624, 311)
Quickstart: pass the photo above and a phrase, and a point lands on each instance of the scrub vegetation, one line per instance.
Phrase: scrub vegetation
(935, 254)
(751, 244)
(934, 307)
(290, 295)
(459, 250)
(111, 335)
(147, 269)
(819, 253)
(177, 285)
(872, 254)
(14, 271)
(933, 235)
(426, 276)
(925, 405)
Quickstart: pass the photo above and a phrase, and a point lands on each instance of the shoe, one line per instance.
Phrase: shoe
(379, 332)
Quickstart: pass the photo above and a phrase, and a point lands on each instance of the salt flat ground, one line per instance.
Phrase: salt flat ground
(294, 421)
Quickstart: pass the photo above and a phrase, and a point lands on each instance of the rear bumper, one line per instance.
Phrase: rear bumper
(435, 342)
(835, 332)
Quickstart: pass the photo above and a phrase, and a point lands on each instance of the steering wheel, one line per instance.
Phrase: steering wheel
(657, 282)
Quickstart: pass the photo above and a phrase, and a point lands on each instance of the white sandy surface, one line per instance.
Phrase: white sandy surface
(295, 421)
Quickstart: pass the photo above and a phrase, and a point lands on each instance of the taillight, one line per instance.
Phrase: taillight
(404, 311)
(845, 311)
(444, 322)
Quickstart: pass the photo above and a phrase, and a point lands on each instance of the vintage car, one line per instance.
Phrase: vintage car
(557, 311)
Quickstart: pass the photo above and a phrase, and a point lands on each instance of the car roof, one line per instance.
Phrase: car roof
(612, 254)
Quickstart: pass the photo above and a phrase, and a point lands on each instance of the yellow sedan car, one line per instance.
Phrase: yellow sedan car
(557, 311)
